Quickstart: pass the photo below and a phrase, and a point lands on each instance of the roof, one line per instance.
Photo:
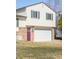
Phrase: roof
(35, 4)
(20, 16)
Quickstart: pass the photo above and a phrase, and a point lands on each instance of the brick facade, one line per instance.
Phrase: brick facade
(22, 33)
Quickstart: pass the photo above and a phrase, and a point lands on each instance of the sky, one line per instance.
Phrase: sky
(55, 4)
(21, 3)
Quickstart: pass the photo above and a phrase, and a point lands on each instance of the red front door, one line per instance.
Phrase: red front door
(28, 34)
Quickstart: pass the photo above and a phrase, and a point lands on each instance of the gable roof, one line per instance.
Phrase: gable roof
(35, 4)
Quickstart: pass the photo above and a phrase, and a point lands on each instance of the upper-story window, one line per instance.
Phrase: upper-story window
(49, 16)
(35, 14)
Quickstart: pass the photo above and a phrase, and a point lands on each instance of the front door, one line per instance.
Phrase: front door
(28, 34)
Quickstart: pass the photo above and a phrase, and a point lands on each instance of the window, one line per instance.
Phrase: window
(35, 14)
(17, 22)
(49, 16)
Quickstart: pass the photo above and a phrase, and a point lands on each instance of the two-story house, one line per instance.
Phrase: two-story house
(35, 23)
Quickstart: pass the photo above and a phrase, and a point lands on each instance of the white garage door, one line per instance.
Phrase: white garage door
(42, 35)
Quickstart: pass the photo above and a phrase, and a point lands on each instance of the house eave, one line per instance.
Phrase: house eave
(21, 16)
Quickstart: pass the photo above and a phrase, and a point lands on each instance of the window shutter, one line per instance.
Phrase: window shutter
(38, 15)
(51, 16)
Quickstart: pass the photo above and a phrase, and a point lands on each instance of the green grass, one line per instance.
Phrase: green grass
(24, 52)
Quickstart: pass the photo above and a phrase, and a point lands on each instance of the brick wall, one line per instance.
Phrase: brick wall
(21, 34)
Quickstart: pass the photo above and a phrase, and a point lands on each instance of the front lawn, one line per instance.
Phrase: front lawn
(24, 52)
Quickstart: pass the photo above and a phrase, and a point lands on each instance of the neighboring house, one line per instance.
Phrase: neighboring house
(36, 23)
(58, 32)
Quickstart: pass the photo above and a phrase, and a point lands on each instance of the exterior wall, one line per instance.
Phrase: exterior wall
(38, 22)
(21, 34)
(22, 23)
(42, 21)
(17, 29)
(53, 33)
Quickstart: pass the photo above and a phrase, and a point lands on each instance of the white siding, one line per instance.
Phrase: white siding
(42, 21)
(43, 9)
(22, 23)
